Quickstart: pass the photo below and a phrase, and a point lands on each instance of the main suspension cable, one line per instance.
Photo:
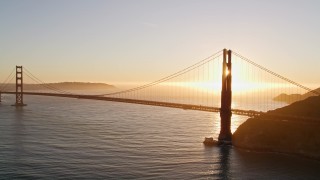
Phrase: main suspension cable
(275, 74)
(183, 71)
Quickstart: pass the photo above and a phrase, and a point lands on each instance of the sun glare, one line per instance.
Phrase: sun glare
(227, 72)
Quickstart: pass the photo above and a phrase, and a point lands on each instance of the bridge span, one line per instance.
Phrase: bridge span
(211, 76)
(249, 113)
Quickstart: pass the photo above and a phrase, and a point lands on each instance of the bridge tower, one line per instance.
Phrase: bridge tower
(225, 136)
(19, 87)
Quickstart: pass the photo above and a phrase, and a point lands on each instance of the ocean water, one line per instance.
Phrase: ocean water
(60, 138)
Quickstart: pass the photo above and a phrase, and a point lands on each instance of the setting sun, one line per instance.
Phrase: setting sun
(154, 89)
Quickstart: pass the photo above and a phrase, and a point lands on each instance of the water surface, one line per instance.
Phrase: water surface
(59, 138)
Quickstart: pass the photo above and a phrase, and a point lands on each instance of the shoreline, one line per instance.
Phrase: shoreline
(278, 136)
(277, 152)
(296, 131)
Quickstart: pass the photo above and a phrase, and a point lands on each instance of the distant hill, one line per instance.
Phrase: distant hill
(290, 98)
(65, 86)
(309, 107)
(81, 85)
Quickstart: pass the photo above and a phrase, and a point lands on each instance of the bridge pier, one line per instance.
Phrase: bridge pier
(19, 87)
(225, 136)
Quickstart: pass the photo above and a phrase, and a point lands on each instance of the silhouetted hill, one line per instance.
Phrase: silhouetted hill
(310, 107)
(290, 98)
(64, 86)
(81, 85)
(300, 137)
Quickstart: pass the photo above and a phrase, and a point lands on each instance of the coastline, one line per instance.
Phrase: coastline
(296, 131)
(265, 135)
(277, 153)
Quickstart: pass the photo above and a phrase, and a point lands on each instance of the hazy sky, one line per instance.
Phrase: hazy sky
(136, 40)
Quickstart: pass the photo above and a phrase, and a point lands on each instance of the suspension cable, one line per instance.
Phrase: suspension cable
(48, 86)
(5, 83)
(183, 71)
(275, 74)
(42, 85)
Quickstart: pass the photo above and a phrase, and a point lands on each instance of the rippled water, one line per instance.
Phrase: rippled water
(58, 138)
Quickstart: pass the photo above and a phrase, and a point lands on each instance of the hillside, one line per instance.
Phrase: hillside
(284, 135)
(290, 98)
(65, 86)
(81, 85)
(310, 107)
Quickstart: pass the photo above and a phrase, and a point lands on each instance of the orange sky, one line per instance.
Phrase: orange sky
(141, 41)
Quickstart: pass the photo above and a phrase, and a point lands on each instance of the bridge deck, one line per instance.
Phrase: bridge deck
(250, 113)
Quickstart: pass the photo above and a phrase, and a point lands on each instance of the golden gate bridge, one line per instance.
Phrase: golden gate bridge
(225, 82)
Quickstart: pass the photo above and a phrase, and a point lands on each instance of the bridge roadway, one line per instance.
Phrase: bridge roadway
(249, 113)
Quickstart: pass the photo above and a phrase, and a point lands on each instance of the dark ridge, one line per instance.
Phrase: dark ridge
(290, 98)
(298, 136)
(310, 107)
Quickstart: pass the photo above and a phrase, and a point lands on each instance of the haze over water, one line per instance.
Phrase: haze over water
(57, 138)
(273, 45)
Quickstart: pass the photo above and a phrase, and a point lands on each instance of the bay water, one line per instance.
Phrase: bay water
(61, 138)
